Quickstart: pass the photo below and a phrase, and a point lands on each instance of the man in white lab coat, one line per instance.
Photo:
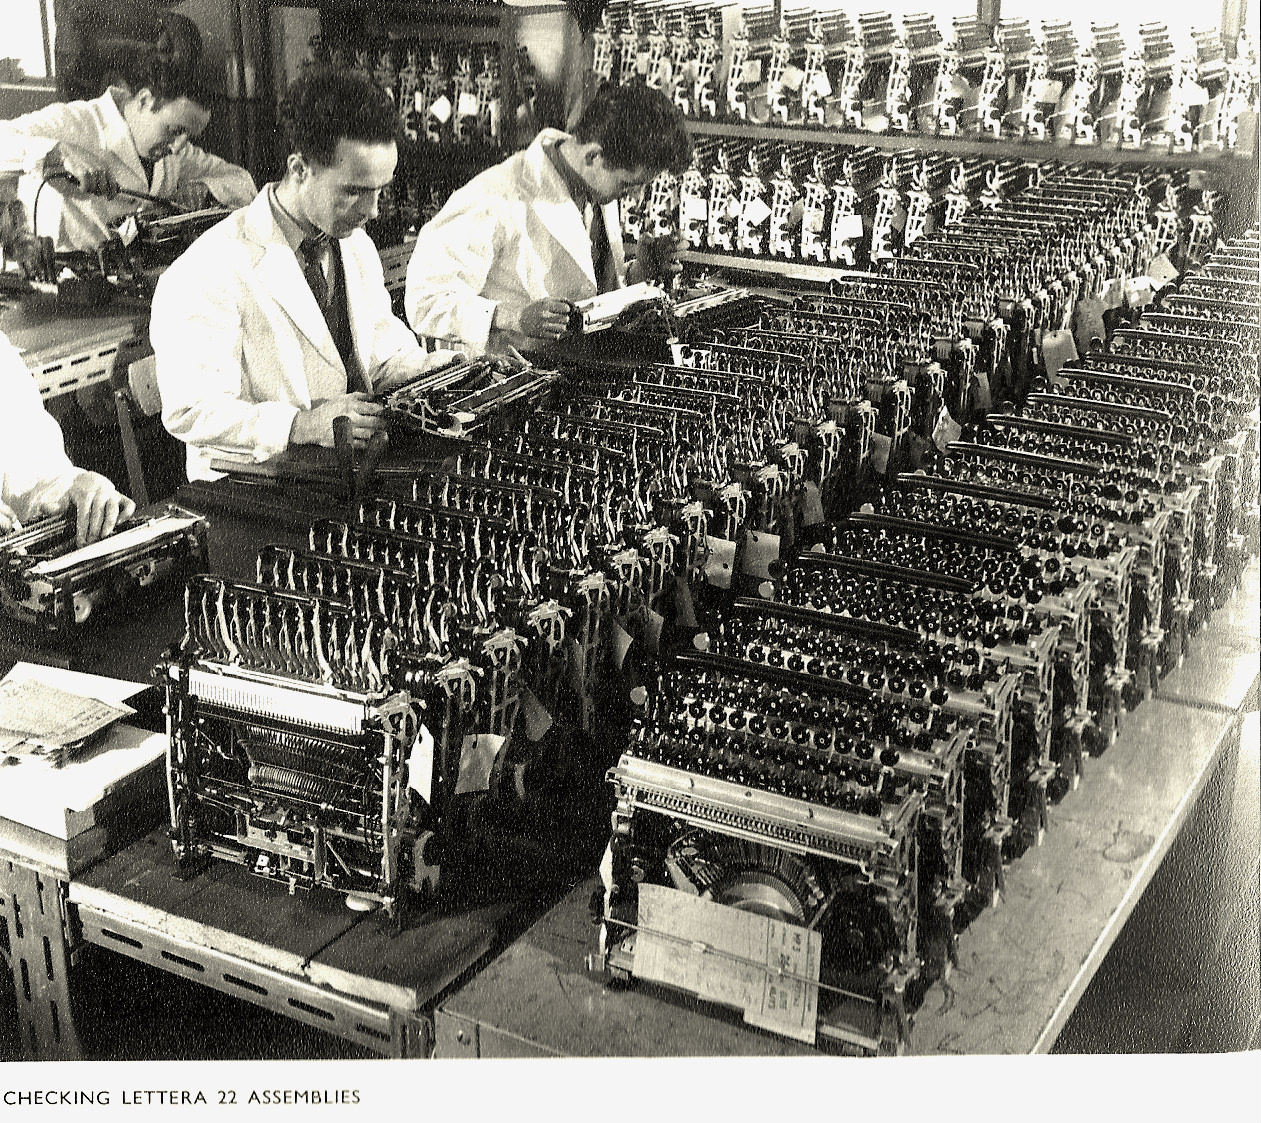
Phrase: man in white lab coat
(277, 320)
(499, 264)
(129, 139)
(36, 476)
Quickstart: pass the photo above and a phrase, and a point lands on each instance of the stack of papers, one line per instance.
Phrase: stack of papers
(43, 722)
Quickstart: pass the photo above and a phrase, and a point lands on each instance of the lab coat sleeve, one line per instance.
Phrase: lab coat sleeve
(231, 185)
(453, 256)
(196, 330)
(35, 471)
(397, 356)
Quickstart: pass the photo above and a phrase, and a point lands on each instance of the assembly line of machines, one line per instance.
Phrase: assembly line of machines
(820, 595)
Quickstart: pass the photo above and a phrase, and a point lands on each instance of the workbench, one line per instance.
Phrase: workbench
(1023, 965)
(69, 349)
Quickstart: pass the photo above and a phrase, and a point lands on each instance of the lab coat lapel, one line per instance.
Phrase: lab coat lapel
(556, 210)
(116, 139)
(281, 277)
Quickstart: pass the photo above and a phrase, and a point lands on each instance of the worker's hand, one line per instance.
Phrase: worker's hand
(8, 518)
(17, 239)
(89, 177)
(544, 319)
(657, 260)
(314, 426)
(98, 505)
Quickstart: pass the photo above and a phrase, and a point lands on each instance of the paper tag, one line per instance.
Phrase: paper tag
(1088, 323)
(1161, 269)
(1047, 91)
(812, 221)
(763, 967)
(789, 1002)
(820, 85)
(1058, 349)
(849, 226)
(441, 109)
(420, 765)
(535, 716)
(760, 549)
(756, 211)
(811, 504)
(620, 640)
(946, 430)
(676, 354)
(467, 104)
(1113, 293)
(880, 448)
(752, 72)
(653, 623)
(1138, 292)
(477, 758)
(793, 77)
(1195, 94)
(694, 209)
(606, 868)
(418, 101)
(719, 565)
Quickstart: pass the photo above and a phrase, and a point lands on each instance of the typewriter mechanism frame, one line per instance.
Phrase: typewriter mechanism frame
(47, 581)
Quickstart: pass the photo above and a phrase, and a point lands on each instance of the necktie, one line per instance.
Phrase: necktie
(332, 303)
(601, 256)
(312, 253)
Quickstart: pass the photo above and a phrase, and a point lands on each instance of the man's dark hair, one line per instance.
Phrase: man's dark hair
(146, 69)
(323, 107)
(636, 126)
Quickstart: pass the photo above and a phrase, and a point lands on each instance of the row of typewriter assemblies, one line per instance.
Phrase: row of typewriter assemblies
(321, 716)
(810, 204)
(849, 775)
(751, 780)
(890, 655)
(766, 64)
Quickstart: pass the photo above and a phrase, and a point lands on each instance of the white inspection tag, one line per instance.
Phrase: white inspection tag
(720, 563)
(477, 758)
(880, 447)
(441, 109)
(756, 211)
(1058, 349)
(420, 765)
(760, 549)
(849, 226)
(946, 430)
(764, 967)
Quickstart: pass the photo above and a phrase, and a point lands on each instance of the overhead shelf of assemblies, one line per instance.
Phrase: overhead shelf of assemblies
(1006, 148)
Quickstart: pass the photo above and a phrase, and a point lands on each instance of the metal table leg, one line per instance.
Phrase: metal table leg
(36, 940)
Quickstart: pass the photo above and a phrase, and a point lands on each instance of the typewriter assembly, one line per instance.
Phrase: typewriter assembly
(460, 398)
(50, 581)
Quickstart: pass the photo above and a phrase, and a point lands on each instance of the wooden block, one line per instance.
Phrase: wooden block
(225, 907)
(408, 970)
